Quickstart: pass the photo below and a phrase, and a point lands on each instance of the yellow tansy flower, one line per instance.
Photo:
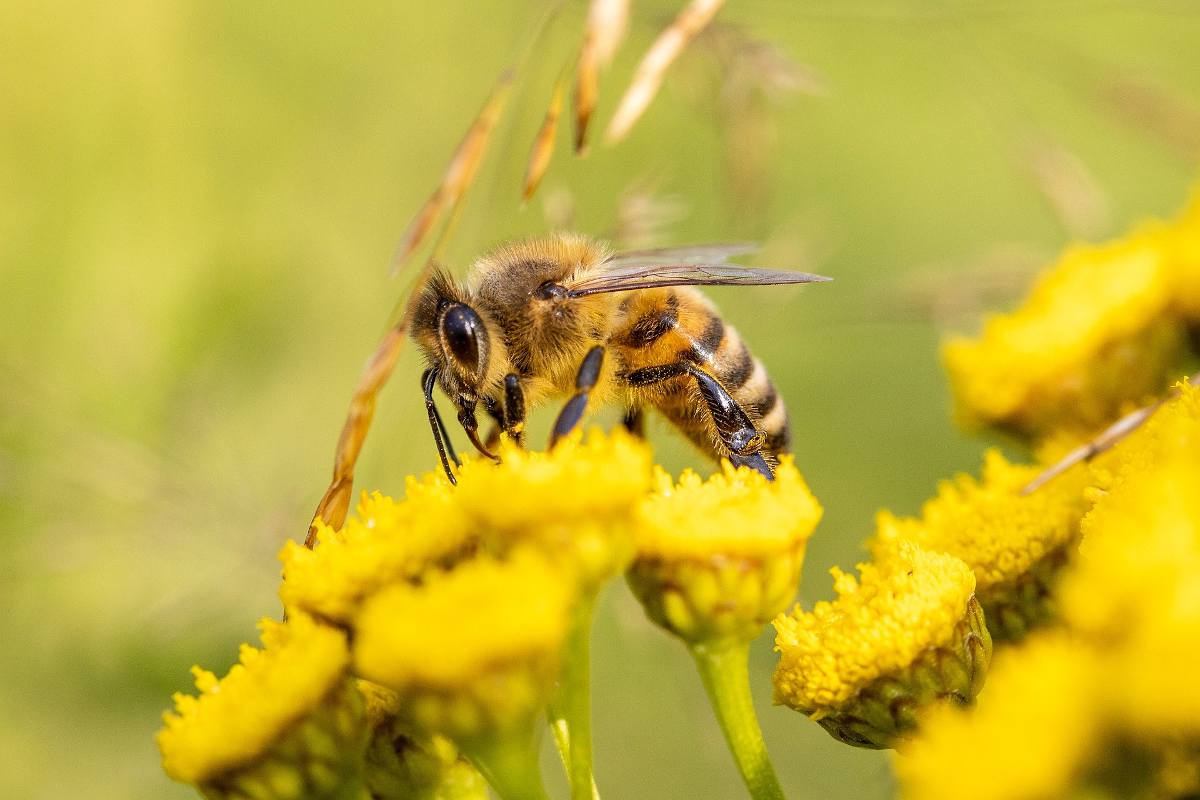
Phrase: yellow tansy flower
(716, 560)
(1093, 336)
(576, 499)
(907, 633)
(470, 651)
(384, 542)
(286, 722)
(1032, 733)
(1015, 544)
(1136, 587)
(720, 558)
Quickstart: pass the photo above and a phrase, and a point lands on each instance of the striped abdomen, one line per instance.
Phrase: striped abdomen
(669, 326)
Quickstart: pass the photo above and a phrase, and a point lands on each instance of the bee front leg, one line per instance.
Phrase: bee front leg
(441, 436)
(585, 381)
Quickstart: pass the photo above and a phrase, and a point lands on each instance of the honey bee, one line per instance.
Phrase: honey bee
(563, 317)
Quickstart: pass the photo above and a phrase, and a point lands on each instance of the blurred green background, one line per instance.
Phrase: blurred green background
(198, 201)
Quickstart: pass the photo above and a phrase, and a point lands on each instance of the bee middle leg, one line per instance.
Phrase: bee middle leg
(585, 381)
(737, 431)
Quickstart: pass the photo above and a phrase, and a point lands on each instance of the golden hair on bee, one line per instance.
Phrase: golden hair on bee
(564, 317)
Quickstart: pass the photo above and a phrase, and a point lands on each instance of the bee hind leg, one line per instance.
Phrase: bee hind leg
(737, 431)
(585, 381)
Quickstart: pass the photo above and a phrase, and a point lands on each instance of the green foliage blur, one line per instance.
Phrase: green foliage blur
(198, 202)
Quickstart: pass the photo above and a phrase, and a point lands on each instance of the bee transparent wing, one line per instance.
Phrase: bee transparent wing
(652, 275)
(705, 253)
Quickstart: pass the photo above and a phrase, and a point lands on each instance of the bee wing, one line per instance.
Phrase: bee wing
(651, 275)
(705, 253)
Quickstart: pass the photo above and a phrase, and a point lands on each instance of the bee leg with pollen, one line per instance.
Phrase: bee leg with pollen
(737, 431)
(585, 381)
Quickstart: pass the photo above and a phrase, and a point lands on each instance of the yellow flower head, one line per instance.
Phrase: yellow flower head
(1016, 545)
(719, 558)
(1135, 589)
(472, 650)
(1092, 337)
(576, 499)
(907, 630)
(384, 542)
(735, 513)
(285, 716)
(1030, 735)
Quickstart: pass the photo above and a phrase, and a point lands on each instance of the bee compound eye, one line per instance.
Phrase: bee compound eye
(463, 336)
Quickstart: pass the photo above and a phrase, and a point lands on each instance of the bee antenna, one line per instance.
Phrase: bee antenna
(437, 426)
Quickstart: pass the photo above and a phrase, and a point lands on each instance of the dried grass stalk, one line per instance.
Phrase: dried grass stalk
(658, 59)
(336, 501)
(606, 24)
(543, 145)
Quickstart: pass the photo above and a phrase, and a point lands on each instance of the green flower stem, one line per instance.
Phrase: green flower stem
(571, 711)
(724, 668)
(510, 765)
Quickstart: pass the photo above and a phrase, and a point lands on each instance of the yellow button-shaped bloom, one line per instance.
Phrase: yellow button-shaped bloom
(471, 651)
(384, 542)
(575, 500)
(1094, 336)
(286, 722)
(907, 633)
(1015, 544)
(719, 558)
(1031, 735)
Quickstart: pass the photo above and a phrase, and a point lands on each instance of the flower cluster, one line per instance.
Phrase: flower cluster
(1109, 694)
(427, 639)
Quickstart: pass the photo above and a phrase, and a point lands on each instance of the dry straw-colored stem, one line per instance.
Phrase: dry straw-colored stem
(606, 24)
(334, 505)
(658, 59)
(543, 145)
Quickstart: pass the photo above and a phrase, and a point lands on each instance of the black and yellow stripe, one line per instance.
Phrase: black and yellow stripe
(661, 327)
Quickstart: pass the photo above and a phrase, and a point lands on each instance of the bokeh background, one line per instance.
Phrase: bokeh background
(198, 201)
